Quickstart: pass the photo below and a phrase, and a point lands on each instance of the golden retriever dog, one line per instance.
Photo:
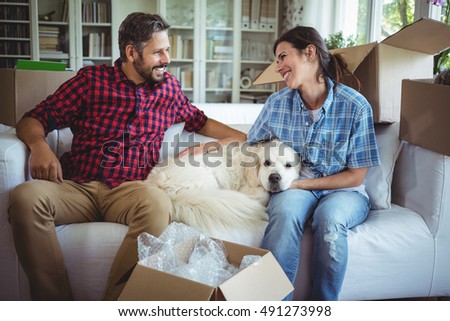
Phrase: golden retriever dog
(229, 187)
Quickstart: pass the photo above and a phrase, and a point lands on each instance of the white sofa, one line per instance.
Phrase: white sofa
(401, 251)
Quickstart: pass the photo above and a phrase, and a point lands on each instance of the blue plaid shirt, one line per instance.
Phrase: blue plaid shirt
(342, 137)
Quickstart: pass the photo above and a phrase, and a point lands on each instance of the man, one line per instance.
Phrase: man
(126, 109)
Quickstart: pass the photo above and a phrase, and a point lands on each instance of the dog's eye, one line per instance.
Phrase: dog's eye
(267, 163)
(288, 165)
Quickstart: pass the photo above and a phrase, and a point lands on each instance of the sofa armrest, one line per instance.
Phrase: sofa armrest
(13, 161)
(13, 171)
(421, 182)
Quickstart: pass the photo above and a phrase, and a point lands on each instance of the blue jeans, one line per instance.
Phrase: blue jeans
(332, 216)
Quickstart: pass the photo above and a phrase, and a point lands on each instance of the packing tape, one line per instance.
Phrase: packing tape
(246, 82)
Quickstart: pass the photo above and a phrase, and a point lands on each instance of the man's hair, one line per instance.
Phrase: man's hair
(137, 29)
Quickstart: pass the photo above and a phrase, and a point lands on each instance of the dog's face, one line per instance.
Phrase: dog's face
(278, 165)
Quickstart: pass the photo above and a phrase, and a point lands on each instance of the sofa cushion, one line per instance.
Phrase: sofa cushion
(4, 128)
(379, 178)
(170, 145)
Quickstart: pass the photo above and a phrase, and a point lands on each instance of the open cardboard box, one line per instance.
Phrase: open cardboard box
(381, 67)
(22, 90)
(263, 281)
(425, 115)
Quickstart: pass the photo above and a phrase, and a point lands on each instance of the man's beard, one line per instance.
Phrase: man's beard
(147, 73)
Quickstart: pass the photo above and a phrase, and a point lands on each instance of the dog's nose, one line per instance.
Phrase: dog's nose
(274, 177)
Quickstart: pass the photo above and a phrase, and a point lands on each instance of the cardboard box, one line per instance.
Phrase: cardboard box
(22, 90)
(262, 281)
(425, 115)
(381, 67)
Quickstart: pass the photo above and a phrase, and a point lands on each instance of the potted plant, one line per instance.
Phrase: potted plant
(442, 60)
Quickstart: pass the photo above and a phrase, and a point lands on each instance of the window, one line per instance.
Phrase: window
(377, 19)
(396, 14)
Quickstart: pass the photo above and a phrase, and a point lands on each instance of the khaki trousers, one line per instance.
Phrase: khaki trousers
(37, 206)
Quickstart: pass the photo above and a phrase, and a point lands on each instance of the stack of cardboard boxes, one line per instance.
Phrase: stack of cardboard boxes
(22, 90)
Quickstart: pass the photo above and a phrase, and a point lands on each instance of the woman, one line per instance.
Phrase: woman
(330, 125)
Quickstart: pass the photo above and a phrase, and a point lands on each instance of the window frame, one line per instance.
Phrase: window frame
(421, 9)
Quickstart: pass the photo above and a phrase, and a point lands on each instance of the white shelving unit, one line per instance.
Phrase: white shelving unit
(15, 32)
(96, 32)
(53, 36)
(77, 32)
(214, 45)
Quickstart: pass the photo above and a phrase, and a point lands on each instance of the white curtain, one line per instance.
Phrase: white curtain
(327, 16)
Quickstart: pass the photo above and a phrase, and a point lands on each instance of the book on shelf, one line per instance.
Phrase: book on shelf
(256, 50)
(8, 30)
(95, 12)
(49, 38)
(181, 47)
(219, 47)
(216, 78)
(96, 44)
(184, 74)
(187, 78)
(14, 12)
(21, 48)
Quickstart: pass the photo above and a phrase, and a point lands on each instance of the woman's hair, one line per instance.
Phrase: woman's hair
(137, 29)
(330, 65)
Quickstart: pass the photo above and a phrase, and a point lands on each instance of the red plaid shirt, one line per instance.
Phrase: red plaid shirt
(118, 126)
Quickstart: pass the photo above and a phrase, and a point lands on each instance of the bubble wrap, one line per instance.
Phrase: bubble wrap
(183, 251)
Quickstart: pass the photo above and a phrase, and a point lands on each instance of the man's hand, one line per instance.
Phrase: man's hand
(44, 164)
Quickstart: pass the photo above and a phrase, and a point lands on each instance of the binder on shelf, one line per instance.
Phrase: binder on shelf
(245, 14)
(271, 12)
(255, 13)
(264, 16)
